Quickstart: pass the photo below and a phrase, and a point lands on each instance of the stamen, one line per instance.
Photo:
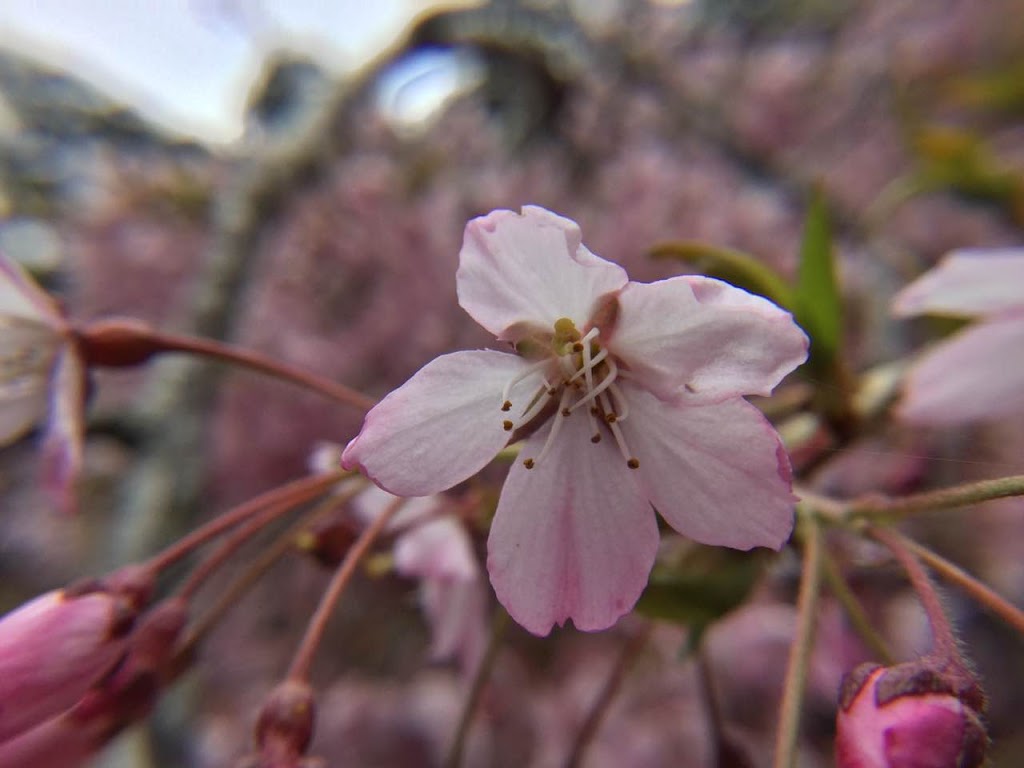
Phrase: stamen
(621, 403)
(606, 382)
(506, 403)
(537, 403)
(620, 440)
(556, 425)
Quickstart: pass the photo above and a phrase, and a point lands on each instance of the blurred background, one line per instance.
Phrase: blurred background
(295, 177)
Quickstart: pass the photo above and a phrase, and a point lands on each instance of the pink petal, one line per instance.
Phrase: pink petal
(716, 473)
(574, 537)
(60, 742)
(530, 269)
(967, 282)
(976, 374)
(704, 340)
(22, 406)
(21, 297)
(440, 427)
(62, 445)
(27, 352)
(371, 503)
(438, 549)
(52, 650)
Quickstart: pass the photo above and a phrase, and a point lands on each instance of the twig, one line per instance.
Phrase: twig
(258, 362)
(293, 493)
(800, 652)
(946, 498)
(855, 612)
(954, 574)
(600, 706)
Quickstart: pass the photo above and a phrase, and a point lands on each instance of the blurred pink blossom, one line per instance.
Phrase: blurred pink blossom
(433, 547)
(979, 372)
(627, 395)
(42, 375)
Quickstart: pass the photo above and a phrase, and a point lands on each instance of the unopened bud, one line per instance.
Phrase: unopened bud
(328, 540)
(913, 715)
(53, 649)
(285, 727)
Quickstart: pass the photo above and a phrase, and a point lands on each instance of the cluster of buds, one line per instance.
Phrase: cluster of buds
(79, 664)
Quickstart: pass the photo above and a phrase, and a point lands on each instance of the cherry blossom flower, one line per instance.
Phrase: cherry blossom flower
(42, 376)
(433, 547)
(626, 395)
(978, 373)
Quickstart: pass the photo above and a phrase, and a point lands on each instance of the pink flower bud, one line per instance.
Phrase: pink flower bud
(909, 716)
(53, 649)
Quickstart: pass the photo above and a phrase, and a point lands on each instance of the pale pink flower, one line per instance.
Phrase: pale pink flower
(626, 394)
(433, 547)
(42, 377)
(979, 372)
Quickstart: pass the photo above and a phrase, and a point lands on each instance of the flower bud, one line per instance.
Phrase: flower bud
(913, 715)
(54, 648)
(285, 728)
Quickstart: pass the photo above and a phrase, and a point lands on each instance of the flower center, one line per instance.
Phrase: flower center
(579, 373)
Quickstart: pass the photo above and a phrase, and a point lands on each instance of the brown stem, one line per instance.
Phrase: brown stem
(284, 543)
(944, 640)
(291, 494)
(265, 364)
(499, 625)
(981, 592)
(299, 671)
(611, 686)
(800, 652)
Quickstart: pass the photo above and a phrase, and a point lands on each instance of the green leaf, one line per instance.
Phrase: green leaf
(735, 267)
(696, 584)
(817, 303)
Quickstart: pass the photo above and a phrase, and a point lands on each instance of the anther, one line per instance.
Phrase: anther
(507, 405)
(577, 347)
(507, 425)
(528, 463)
(633, 463)
(566, 411)
(596, 438)
(611, 418)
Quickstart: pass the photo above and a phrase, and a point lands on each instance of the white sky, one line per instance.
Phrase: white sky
(187, 64)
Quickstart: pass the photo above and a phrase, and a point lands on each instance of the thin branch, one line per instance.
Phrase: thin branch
(946, 498)
(499, 625)
(611, 686)
(855, 612)
(800, 652)
(954, 574)
(944, 640)
(293, 493)
(256, 361)
(299, 670)
(284, 543)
